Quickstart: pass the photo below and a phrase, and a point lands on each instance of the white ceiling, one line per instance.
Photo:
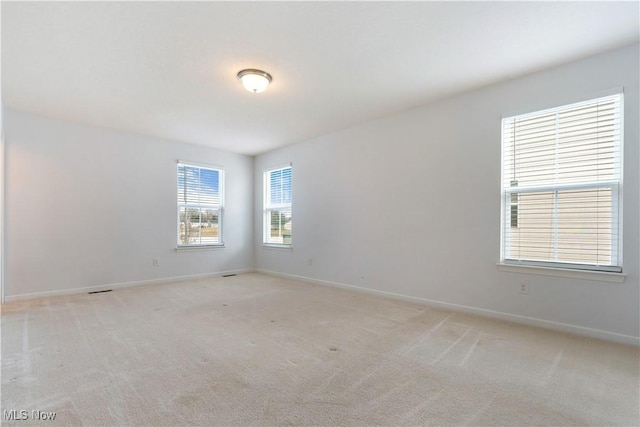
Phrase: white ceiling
(168, 69)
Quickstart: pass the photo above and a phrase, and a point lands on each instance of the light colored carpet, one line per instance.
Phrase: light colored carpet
(259, 350)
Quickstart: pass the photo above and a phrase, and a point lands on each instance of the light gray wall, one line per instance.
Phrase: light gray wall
(410, 204)
(89, 207)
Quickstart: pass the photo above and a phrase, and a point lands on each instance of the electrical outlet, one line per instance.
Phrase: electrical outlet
(156, 262)
(524, 288)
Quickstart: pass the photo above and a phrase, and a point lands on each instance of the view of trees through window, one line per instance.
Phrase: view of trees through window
(280, 231)
(199, 225)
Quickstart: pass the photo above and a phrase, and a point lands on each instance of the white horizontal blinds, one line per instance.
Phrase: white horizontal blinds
(561, 176)
(277, 206)
(199, 205)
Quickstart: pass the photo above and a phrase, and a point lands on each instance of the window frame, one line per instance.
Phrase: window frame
(267, 207)
(615, 185)
(219, 207)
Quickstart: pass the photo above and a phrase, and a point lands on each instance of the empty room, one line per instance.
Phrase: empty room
(320, 213)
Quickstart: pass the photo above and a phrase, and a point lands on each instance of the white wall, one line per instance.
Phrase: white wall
(2, 292)
(410, 204)
(90, 207)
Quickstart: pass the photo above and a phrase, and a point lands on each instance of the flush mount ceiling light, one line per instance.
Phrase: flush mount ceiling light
(254, 80)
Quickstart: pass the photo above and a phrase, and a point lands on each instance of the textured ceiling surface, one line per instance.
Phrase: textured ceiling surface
(168, 69)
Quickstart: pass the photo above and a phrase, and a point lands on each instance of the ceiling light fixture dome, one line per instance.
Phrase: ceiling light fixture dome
(253, 80)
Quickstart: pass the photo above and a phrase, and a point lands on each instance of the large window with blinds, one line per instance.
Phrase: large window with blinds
(277, 207)
(562, 186)
(200, 205)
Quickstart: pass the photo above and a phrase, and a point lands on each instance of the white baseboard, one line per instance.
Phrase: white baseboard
(75, 291)
(531, 321)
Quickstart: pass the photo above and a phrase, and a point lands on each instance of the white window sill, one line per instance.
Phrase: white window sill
(600, 276)
(193, 248)
(277, 247)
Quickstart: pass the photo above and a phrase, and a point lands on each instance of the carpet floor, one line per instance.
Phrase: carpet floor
(259, 350)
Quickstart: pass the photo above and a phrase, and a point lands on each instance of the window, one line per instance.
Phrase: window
(562, 186)
(200, 205)
(277, 207)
